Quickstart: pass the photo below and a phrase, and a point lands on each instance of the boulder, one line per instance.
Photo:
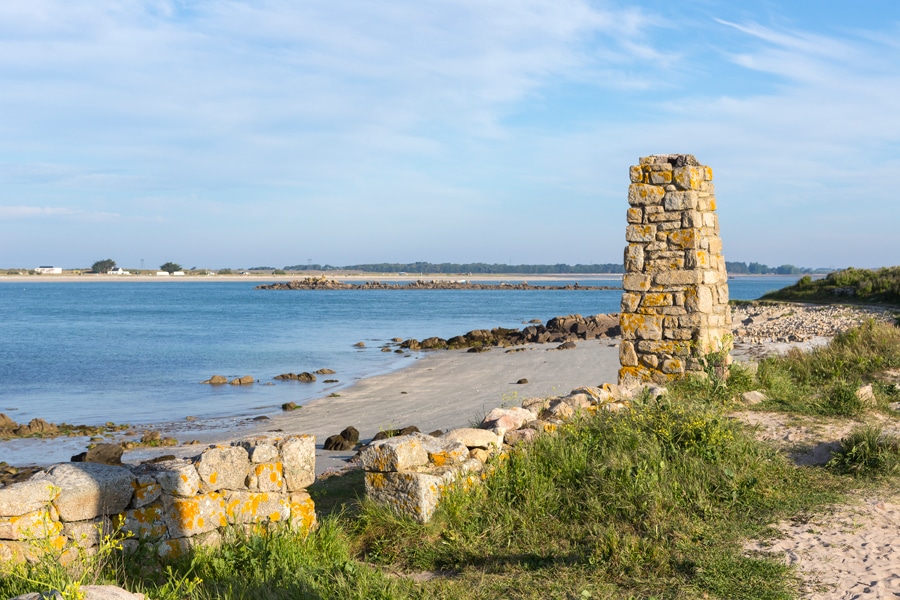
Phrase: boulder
(216, 380)
(866, 396)
(522, 381)
(359, 345)
(289, 406)
(351, 434)
(107, 454)
(390, 433)
(324, 372)
(7, 423)
(306, 377)
(519, 436)
(411, 451)
(88, 490)
(337, 443)
(566, 346)
(245, 380)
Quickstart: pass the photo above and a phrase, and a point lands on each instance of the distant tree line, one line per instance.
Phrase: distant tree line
(755, 268)
(473, 268)
(733, 268)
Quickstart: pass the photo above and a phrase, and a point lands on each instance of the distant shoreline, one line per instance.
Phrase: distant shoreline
(257, 279)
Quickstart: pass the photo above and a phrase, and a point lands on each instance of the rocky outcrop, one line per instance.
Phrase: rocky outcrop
(559, 330)
(322, 283)
(303, 377)
(172, 504)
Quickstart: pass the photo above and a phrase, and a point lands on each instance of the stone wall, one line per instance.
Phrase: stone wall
(675, 300)
(173, 504)
(411, 473)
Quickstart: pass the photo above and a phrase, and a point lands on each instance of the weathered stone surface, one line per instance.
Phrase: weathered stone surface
(866, 396)
(88, 490)
(395, 454)
(146, 490)
(519, 436)
(408, 493)
(30, 526)
(260, 449)
(475, 438)
(26, 497)
(753, 397)
(266, 477)
(177, 477)
(88, 534)
(254, 507)
(303, 511)
(507, 418)
(146, 522)
(223, 468)
(89, 592)
(185, 517)
(298, 456)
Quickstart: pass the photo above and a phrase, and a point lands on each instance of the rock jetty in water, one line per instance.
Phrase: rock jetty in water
(322, 283)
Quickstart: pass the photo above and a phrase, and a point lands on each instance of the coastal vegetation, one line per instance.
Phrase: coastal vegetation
(859, 286)
(102, 266)
(657, 500)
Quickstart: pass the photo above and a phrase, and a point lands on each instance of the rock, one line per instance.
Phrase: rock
(559, 409)
(107, 454)
(410, 344)
(522, 381)
(519, 436)
(245, 380)
(37, 427)
(866, 396)
(754, 397)
(289, 406)
(332, 381)
(351, 434)
(411, 451)
(507, 418)
(298, 455)
(89, 592)
(536, 405)
(216, 380)
(25, 497)
(476, 349)
(150, 437)
(88, 490)
(389, 433)
(324, 372)
(480, 454)
(566, 346)
(7, 423)
(433, 343)
(306, 377)
(337, 443)
(359, 345)
(475, 438)
(223, 467)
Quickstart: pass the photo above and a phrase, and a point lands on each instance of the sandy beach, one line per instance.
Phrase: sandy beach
(442, 390)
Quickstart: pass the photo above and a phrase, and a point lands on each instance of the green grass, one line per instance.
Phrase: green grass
(849, 285)
(824, 381)
(655, 501)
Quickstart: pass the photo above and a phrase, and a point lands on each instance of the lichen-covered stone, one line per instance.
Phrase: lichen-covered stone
(395, 454)
(266, 477)
(507, 418)
(146, 522)
(88, 490)
(260, 449)
(412, 494)
(255, 507)
(39, 524)
(88, 534)
(146, 490)
(298, 456)
(185, 517)
(223, 468)
(176, 477)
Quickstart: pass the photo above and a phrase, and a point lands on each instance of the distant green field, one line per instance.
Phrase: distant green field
(858, 286)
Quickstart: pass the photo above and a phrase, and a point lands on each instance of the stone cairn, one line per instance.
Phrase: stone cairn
(675, 300)
(174, 504)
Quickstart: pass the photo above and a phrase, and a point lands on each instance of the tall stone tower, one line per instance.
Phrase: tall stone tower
(675, 301)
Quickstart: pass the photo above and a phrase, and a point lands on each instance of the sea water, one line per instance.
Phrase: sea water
(136, 352)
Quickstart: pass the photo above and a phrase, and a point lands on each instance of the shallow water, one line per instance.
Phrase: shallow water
(134, 352)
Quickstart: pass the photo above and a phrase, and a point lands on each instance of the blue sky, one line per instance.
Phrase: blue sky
(231, 133)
